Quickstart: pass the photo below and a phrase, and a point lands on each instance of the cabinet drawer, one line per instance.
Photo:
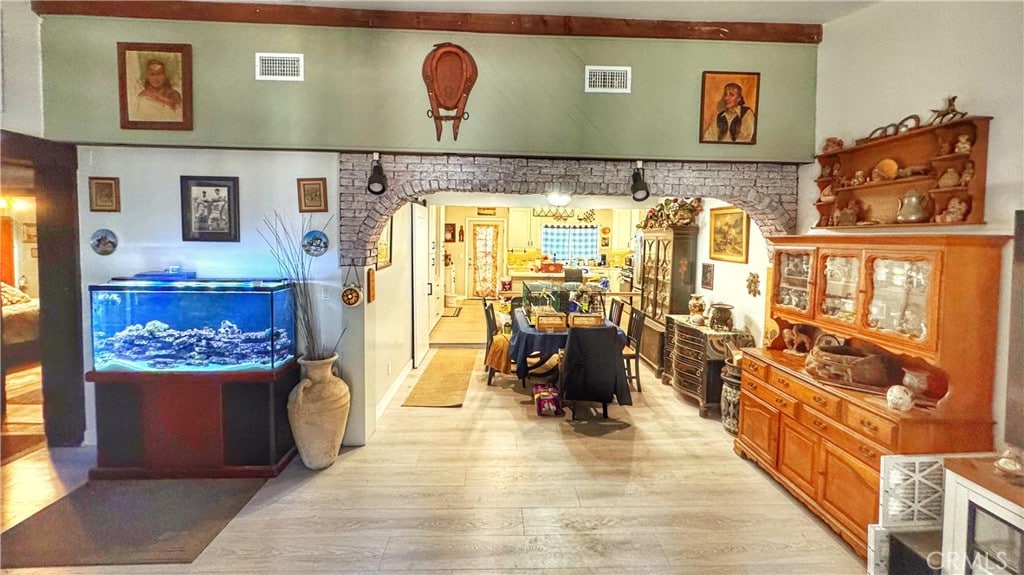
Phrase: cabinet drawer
(862, 450)
(807, 394)
(870, 425)
(769, 395)
(755, 367)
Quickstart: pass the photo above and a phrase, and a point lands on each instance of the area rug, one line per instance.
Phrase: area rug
(17, 445)
(126, 522)
(445, 381)
(452, 311)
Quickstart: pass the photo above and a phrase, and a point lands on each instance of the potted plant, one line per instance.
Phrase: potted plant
(318, 406)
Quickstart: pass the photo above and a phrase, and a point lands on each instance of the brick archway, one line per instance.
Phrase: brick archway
(766, 191)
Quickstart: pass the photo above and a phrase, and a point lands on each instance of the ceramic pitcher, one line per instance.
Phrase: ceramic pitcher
(915, 207)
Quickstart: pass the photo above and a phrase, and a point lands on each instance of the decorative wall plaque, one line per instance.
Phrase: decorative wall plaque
(449, 72)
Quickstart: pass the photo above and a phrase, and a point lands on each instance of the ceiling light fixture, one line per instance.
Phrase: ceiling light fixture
(639, 187)
(377, 183)
(559, 199)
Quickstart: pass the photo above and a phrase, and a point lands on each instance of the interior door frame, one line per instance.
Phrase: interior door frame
(421, 281)
(60, 281)
(502, 231)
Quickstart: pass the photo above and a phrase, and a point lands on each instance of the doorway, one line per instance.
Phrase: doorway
(485, 259)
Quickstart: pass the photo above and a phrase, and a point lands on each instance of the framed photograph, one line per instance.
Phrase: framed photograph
(449, 233)
(312, 194)
(104, 195)
(384, 247)
(728, 107)
(35, 252)
(209, 209)
(707, 276)
(155, 84)
(606, 242)
(730, 232)
(29, 234)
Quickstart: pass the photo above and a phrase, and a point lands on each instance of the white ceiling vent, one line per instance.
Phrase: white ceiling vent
(281, 67)
(613, 79)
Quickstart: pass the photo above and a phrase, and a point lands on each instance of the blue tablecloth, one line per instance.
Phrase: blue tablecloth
(526, 339)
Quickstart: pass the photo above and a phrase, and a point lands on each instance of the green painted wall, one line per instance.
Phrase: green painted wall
(364, 91)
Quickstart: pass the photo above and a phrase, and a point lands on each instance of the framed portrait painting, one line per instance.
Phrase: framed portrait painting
(449, 233)
(728, 107)
(707, 276)
(730, 233)
(312, 194)
(104, 195)
(209, 209)
(155, 85)
(384, 246)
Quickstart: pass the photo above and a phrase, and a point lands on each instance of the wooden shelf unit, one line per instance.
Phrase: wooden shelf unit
(919, 147)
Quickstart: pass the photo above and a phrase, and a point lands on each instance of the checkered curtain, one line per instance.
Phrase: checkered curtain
(570, 243)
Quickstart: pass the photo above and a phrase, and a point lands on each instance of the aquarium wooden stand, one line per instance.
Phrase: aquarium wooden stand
(201, 424)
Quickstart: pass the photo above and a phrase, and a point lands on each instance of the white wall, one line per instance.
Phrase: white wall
(730, 285)
(893, 59)
(148, 228)
(21, 68)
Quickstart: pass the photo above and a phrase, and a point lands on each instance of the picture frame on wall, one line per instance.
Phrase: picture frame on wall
(449, 233)
(312, 194)
(728, 107)
(29, 233)
(209, 209)
(384, 246)
(104, 194)
(155, 86)
(730, 234)
(707, 276)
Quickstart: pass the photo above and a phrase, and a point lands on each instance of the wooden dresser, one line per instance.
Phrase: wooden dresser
(823, 442)
(694, 355)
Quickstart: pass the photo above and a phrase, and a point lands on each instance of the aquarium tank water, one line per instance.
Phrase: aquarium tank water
(192, 325)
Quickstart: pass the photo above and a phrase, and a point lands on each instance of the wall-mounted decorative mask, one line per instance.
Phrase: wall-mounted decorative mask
(449, 72)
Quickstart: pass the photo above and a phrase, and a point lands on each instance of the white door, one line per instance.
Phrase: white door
(485, 247)
(436, 265)
(420, 284)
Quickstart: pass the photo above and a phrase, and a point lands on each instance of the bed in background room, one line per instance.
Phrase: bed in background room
(20, 327)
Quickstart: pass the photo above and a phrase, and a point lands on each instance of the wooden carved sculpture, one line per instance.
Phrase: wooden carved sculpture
(449, 72)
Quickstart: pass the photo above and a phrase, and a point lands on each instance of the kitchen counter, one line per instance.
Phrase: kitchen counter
(596, 273)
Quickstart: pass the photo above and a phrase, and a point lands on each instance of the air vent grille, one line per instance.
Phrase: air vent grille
(609, 79)
(280, 67)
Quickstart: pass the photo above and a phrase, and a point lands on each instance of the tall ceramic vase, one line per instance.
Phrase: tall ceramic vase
(318, 412)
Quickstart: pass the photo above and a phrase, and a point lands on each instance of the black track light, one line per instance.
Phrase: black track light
(377, 183)
(639, 187)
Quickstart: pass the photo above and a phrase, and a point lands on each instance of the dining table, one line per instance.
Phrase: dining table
(529, 342)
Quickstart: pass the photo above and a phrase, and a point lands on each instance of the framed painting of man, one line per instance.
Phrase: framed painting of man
(155, 85)
(728, 107)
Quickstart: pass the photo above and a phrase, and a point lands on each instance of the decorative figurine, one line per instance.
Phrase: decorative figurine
(858, 178)
(831, 145)
(948, 179)
(965, 178)
(963, 144)
(956, 211)
(899, 398)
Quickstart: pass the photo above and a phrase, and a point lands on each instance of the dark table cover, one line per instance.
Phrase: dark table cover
(526, 339)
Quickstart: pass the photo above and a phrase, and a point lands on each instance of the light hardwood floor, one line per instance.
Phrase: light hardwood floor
(493, 488)
(469, 327)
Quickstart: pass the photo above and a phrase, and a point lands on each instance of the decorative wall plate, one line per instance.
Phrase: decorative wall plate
(103, 242)
(351, 296)
(315, 243)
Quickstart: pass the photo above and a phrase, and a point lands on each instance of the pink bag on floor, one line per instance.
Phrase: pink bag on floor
(547, 401)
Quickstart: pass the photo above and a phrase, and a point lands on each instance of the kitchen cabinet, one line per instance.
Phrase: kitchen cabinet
(520, 228)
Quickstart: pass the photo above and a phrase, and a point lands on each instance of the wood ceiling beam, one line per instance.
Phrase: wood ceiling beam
(442, 21)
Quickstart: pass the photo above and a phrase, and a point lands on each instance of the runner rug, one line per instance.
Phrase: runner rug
(127, 522)
(445, 381)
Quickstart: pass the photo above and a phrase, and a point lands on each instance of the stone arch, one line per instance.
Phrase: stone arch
(766, 191)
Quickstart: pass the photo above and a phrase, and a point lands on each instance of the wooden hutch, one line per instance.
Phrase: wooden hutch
(930, 302)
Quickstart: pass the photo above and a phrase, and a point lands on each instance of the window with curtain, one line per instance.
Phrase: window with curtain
(570, 243)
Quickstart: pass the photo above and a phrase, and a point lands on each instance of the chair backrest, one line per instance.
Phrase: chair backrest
(492, 324)
(515, 303)
(615, 311)
(592, 368)
(635, 329)
(573, 275)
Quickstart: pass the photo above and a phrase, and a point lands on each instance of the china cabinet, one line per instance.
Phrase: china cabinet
(929, 301)
(926, 176)
(668, 267)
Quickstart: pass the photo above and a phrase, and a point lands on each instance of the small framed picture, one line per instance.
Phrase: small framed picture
(449, 233)
(486, 211)
(384, 246)
(35, 252)
(728, 107)
(729, 234)
(312, 194)
(155, 85)
(707, 276)
(29, 234)
(209, 209)
(606, 241)
(104, 195)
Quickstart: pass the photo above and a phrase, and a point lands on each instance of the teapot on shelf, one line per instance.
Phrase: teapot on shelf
(915, 207)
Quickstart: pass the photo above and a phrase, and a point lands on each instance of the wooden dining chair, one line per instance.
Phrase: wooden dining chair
(631, 353)
(615, 310)
(496, 351)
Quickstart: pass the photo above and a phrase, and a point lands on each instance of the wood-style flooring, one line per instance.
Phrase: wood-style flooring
(492, 488)
(469, 328)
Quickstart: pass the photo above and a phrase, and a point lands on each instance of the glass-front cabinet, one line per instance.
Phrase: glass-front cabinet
(900, 297)
(793, 273)
(838, 278)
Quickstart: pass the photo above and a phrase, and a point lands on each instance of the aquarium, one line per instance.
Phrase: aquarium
(192, 325)
(547, 294)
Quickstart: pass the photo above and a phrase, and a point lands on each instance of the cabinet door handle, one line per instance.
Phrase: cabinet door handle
(782, 383)
(819, 400)
(868, 425)
(819, 424)
(751, 385)
(780, 401)
(867, 451)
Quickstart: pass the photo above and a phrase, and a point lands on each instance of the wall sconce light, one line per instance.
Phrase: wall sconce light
(377, 183)
(559, 199)
(639, 187)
